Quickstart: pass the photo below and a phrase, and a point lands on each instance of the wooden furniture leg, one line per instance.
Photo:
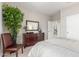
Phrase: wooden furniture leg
(16, 53)
(3, 54)
(22, 50)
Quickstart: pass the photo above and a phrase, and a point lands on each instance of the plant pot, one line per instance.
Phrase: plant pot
(14, 41)
(14, 37)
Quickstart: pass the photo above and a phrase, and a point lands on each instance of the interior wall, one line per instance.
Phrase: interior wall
(0, 18)
(71, 10)
(1, 28)
(31, 15)
(60, 18)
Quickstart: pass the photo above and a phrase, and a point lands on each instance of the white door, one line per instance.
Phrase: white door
(50, 31)
(72, 25)
(51, 26)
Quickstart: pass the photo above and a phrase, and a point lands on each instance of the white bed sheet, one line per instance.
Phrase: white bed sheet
(55, 48)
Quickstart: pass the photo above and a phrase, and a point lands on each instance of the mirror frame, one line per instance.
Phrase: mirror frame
(32, 22)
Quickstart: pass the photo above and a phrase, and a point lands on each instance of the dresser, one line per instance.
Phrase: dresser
(30, 38)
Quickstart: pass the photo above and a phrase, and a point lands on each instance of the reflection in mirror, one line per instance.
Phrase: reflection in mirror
(32, 25)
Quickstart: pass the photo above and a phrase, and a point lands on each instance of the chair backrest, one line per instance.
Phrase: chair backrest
(6, 40)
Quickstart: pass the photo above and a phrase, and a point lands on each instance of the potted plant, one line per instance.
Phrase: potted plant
(12, 19)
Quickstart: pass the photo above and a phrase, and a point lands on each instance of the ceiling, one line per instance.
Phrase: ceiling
(47, 8)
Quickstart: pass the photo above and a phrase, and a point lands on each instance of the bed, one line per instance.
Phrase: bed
(56, 47)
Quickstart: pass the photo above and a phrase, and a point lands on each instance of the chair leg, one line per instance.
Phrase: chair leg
(22, 50)
(3, 54)
(16, 53)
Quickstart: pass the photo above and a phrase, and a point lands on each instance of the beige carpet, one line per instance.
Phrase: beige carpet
(25, 53)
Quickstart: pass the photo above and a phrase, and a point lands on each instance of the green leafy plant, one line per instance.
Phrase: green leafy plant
(12, 19)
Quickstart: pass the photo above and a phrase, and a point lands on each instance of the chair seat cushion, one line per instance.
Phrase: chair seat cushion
(14, 47)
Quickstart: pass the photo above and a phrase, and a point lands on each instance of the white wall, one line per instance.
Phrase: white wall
(31, 15)
(72, 10)
(0, 19)
(1, 28)
(61, 17)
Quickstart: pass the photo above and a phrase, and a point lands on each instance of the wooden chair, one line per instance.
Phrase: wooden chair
(8, 44)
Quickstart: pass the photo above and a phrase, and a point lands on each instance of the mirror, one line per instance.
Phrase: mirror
(32, 25)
